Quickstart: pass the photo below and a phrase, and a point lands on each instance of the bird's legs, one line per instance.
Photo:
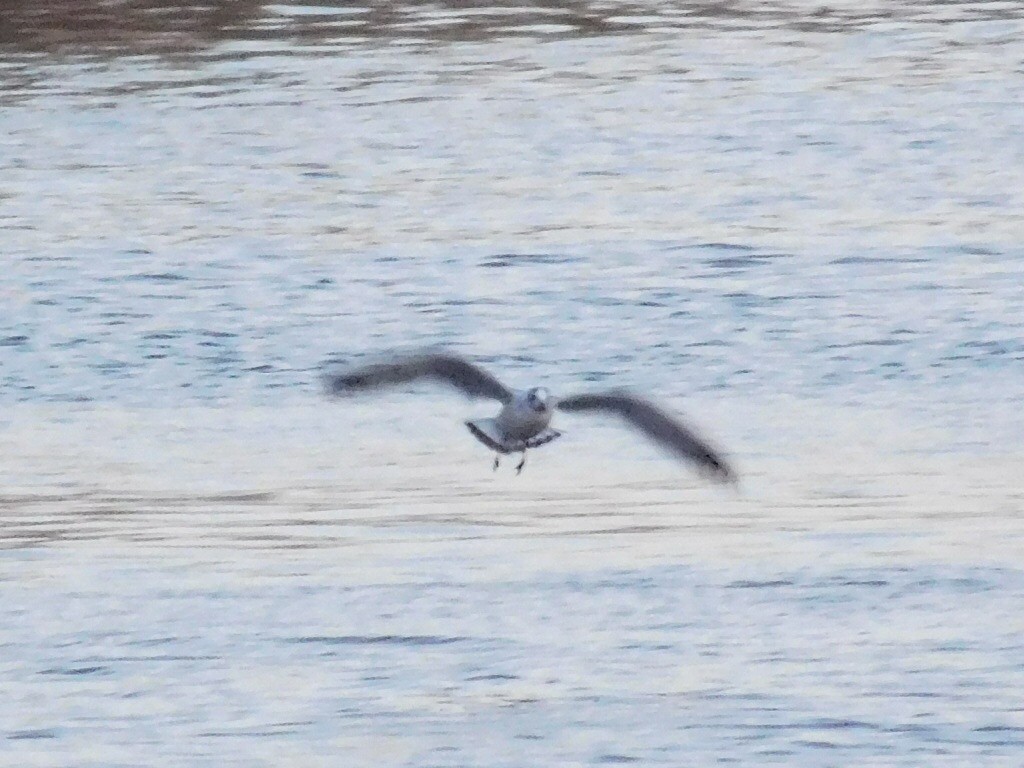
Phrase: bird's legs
(497, 461)
(522, 463)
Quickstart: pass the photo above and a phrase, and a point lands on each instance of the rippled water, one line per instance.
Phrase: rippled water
(800, 223)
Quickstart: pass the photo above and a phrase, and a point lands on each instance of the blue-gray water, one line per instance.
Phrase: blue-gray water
(801, 224)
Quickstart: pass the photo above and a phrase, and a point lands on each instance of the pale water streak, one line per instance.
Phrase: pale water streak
(373, 599)
(799, 223)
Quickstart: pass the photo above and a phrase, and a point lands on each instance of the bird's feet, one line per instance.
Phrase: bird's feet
(521, 464)
(497, 461)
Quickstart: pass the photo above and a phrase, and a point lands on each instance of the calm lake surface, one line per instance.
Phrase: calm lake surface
(801, 224)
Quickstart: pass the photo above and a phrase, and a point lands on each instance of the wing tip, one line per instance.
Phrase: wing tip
(720, 471)
(338, 384)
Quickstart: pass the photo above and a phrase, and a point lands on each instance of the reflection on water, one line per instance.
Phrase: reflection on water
(800, 223)
(132, 27)
(120, 28)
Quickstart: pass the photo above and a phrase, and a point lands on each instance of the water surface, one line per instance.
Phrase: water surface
(800, 224)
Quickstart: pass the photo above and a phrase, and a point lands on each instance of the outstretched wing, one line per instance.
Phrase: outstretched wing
(445, 368)
(657, 424)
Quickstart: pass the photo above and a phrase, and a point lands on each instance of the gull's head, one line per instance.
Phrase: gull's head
(539, 399)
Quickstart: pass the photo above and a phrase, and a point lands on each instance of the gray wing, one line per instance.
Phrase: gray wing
(657, 424)
(436, 366)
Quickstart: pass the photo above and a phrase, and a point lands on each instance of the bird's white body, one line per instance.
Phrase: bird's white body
(522, 423)
(526, 415)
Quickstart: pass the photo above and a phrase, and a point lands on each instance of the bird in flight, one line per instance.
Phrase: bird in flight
(525, 415)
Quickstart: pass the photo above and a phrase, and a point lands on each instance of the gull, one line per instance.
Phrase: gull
(525, 415)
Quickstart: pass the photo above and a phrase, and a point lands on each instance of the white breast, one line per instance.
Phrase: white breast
(521, 422)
